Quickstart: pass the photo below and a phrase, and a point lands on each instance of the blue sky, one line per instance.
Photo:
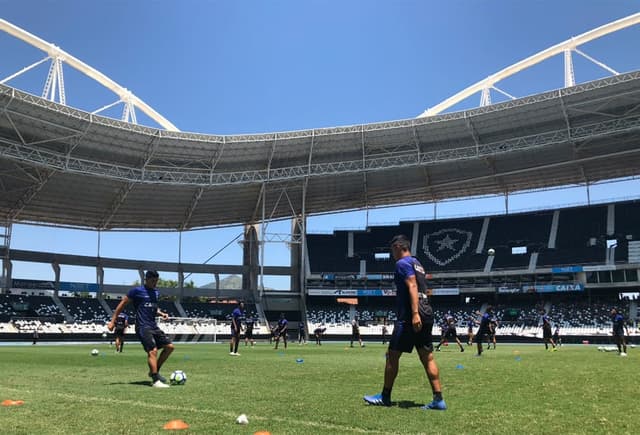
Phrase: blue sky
(230, 67)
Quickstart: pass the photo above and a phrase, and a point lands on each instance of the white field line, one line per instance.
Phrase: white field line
(226, 414)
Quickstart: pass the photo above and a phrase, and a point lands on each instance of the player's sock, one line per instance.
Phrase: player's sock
(386, 398)
(437, 396)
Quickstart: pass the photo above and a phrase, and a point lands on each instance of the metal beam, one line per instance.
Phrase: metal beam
(56, 52)
(571, 43)
(12, 150)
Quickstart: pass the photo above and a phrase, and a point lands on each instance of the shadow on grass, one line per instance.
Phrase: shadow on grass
(143, 383)
(408, 404)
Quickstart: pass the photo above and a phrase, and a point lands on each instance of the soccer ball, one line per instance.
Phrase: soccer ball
(491, 251)
(178, 377)
(95, 352)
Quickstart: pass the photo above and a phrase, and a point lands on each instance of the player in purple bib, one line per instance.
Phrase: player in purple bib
(281, 331)
(412, 328)
(237, 316)
(122, 322)
(145, 302)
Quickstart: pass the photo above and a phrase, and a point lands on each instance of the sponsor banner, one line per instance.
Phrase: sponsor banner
(378, 276)
(443, 291)
(33, 284)
(598, 268)
(78, 287)
(566, 269)
(348, 276)
(509, 290)
(552, 288)
(477, 290)
(368, 292)
(350, 292)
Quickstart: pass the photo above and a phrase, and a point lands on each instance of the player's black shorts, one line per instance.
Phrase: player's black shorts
(546, 333)
(480, 337)
(248, 333)
(118, 332)
(152, 338)
(235, 332)
(618, 333)
(355, 336)
(451, 333)
(404, 338)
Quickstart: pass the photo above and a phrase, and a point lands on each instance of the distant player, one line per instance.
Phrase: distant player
(443, 332)
(546, 333)
(491, 337)
(281, 331)
(619, 329)
(122, 322)
(556, 336)
(449, 333)
(301, 338)
(318, 332)
(471, 323)
(249, 324)
(385, 331)
(483, 329)
(355, 332)
(237, 316)
(145, 301)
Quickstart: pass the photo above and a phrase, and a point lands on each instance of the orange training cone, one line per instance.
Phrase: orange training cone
(12, 402)
(262, 432)
(176, 425)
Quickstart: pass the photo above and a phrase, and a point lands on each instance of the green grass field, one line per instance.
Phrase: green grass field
(514, 389)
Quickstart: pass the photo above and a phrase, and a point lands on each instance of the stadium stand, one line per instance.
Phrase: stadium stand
(27, 306)
(581, 238)
(530, 231)
(85, 310)
(449, 249)
(329, 254)
(447, 245)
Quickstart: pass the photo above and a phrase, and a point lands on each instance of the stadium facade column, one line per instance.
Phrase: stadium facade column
(298, 265)
(7, 269)
(251, 261)
(56, 270)
(180, 282)
(216, 278)
(100, 279)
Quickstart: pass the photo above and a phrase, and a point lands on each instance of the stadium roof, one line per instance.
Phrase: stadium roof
(63, 166)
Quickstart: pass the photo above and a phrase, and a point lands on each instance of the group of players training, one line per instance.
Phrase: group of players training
(412, 327)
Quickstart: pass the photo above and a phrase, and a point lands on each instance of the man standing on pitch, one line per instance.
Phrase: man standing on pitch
(412, 327)
(281, 331)
(355, 332)
(484, 328)
(236, 326)
(618, 331)
(249, 323)
(122, 322)
(145, 302)
(546, 333)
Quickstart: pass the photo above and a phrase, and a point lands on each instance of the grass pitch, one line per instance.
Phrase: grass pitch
(514, 389)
